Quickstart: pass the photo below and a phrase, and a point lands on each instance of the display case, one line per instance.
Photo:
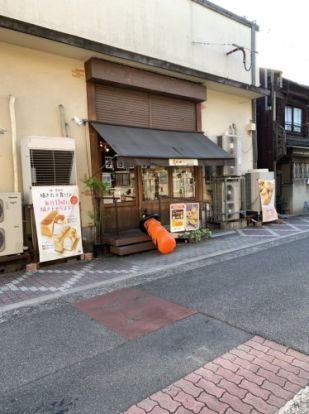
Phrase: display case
(155, 183)
(121, 183)
(183, 182)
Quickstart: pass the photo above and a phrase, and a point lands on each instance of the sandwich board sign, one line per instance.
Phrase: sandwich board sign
(184, 217)
(57, 220)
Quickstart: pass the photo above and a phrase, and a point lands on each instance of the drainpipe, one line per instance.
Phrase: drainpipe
(14, 140)
(274, 121)
(254, 135)
(253, 57)
(253, 102)
(63, 122)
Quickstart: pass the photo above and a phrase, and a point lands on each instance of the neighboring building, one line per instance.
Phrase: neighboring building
(283, 138)
(180, 67)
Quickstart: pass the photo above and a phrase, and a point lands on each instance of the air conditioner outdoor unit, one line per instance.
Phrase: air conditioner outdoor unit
(253, 202)
(231, 145)
(227, 199)
(47, 161)
(11, 231)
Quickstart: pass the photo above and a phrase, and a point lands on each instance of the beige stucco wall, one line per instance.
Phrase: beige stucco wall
(40, 82)
(222, 110)
(165, 29)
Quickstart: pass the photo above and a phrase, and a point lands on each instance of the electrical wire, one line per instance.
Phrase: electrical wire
(237, 47)
(223, 44)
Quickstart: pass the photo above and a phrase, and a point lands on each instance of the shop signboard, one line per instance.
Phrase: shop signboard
(267, 196)
(177, 217)
(57, 219)
(192, 216)
(184, 217)
(177, 162)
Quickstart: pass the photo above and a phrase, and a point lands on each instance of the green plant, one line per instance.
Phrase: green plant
(97, 188)
(195, 236)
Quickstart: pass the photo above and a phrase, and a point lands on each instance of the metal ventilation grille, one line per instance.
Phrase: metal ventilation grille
(50, 167)
(2, 240)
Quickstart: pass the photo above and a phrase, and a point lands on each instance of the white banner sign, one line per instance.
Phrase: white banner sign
(175, 162)
(57, 219)
(267, 195)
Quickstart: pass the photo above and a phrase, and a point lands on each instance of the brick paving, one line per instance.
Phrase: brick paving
(62, 278)
(257, 377)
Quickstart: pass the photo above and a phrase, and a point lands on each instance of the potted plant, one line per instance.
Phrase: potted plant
(195, 236)
(97, 188)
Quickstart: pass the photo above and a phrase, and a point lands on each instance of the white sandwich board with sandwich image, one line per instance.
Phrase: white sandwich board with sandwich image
(57, 218)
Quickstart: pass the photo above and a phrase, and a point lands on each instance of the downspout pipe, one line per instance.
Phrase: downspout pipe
(253, 53)
(253, 102)
(14, 141)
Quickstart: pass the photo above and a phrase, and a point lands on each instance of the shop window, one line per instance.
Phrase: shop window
(183, 182)
(121, 181)
(293, 119)
(155, 183)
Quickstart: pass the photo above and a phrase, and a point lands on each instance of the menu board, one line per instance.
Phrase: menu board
(184, 217)
(267, 196)
(57, 219)
(192, 216)
(177, 217)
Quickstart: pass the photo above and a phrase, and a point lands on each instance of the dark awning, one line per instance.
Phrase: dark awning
(154, 146)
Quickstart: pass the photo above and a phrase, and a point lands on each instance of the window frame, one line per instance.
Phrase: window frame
(143, 187)
(170, 197)
(292, 127)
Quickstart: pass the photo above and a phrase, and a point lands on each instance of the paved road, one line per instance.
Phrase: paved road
(62, 360)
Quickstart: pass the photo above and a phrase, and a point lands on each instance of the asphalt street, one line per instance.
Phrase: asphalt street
(61, 360)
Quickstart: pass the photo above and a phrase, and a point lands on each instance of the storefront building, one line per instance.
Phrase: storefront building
(146, 141)
(149, 90)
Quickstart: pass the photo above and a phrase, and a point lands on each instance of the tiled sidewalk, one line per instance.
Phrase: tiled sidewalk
(257, 377)
(60, 279)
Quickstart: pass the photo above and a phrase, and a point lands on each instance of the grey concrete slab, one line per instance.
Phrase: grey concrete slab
(38, 345)
(113, 380)
(265, 293)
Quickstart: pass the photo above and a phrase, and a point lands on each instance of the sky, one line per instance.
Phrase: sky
(283, 41)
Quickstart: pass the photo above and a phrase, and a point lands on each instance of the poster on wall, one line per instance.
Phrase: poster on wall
(184, 217)
(177, 217)
(57, 219)
(267, 196)
(192, 216)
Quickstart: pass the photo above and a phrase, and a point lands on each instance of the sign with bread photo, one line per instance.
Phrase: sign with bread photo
(267, 196)
(192, 216)
(57, 218)
(184, 217)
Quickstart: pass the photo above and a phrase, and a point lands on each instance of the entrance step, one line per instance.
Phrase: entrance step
(128, 242)
(132, 248)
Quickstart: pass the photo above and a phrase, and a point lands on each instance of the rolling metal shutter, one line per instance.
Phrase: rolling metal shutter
(122, 106)
(171, 113)
(134, 108)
